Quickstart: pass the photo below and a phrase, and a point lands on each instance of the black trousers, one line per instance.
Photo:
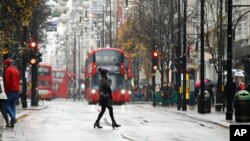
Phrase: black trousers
(103, 111)
(3, 110)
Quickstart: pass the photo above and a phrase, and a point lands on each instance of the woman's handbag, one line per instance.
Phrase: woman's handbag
(2, 93)
(104, 98)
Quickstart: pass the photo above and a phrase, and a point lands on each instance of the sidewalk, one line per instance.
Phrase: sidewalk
(23, 112)
(215, 117)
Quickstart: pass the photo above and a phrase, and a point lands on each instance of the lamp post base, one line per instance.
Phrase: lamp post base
(154, 104)
(178, 107)
(24, 104)
(184, 108)
(229, 115)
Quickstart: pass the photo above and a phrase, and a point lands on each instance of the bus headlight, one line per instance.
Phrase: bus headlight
(129, 92)
(93, 91)
(123, 91)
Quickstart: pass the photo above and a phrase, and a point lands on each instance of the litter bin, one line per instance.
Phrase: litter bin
(242, 106)
(207, 102)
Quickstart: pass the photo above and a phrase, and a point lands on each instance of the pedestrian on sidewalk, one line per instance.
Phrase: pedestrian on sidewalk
(105, 98)
(3, 99)
(12, 89)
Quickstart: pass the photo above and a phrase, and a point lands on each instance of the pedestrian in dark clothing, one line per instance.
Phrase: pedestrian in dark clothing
(165, 94)
(210, 90)
(12, 89)
(105, 98)
(3, 99)
(233, 90)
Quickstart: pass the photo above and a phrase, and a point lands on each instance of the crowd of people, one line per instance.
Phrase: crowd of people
(166, 95)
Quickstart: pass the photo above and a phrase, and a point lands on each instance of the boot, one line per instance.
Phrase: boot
(7, 124)
(96, 124)
(115, 125)
(10, 126)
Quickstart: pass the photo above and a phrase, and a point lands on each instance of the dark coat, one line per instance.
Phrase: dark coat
(104, 88)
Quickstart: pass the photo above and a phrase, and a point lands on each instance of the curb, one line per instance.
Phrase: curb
(33, 108)
(22, 116)
(204, 120)
(23, 113)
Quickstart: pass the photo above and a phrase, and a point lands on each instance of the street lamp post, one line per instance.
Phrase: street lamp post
(103, 36)
(229, 84)
(24, 66)
(201, 100)
(153, 72)
(79, 66)
(66, 52)
(74, 63)
(184, 106)
(110, 24)
(178, 53)
(219, 95)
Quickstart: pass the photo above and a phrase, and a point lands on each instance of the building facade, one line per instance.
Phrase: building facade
(241, 28)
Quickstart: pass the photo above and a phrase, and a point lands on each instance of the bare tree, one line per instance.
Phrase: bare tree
(152, 24)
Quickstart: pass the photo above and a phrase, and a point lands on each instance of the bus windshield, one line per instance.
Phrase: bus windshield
(118, 81)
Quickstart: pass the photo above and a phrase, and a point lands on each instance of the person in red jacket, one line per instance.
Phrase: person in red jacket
(12, 88)
(243, 86)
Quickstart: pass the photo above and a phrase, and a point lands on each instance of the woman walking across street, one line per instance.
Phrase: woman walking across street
(3, 99)
(105, 98)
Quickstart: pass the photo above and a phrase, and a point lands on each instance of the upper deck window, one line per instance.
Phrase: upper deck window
(108, 57)
(42, 71)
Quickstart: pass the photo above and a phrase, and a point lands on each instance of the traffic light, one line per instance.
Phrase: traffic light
(33, 45)
(181, 63)
(33, 59)
(155, 58)
(39, 57)
(36, 58)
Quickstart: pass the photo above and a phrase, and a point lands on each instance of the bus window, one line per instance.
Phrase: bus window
(60, 74)
(43, 83)
(43, 71)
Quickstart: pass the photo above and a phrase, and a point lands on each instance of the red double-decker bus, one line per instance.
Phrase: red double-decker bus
(61, 79)
(111, 59)
(128, 77)
(44, 84)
